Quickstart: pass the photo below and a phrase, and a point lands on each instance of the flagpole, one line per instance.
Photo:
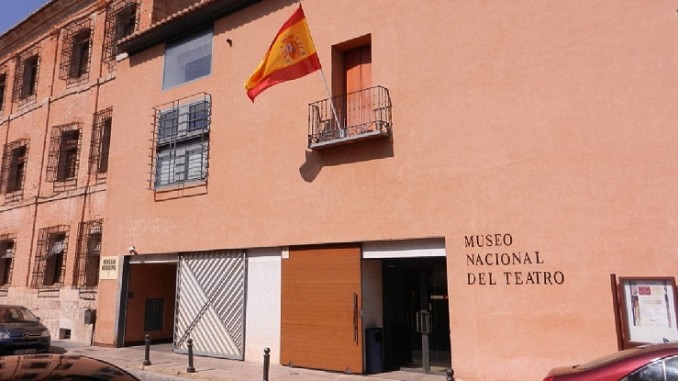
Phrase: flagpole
(322, 72)
(334, 112)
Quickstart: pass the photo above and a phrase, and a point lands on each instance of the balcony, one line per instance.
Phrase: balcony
(362, 115)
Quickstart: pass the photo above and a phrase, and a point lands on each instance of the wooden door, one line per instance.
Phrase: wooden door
(321, 303)
(358, 76)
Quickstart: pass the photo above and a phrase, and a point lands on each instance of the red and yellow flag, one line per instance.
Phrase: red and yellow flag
(292, 55)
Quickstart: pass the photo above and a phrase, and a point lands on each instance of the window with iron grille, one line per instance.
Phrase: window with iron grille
(182, 141)
(89, 252)
(62, 167)
(101, 142)
(122, 20)
(49, 266)
(14, 158)
(76, 51)
(3, 87)
(7, 250)
(26, 76)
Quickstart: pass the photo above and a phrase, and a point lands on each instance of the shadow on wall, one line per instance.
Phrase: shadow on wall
(345, 154)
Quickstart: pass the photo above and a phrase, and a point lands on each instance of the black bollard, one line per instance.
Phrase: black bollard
(190, 368)
(147, 352)
(267, 362)
(450, 375)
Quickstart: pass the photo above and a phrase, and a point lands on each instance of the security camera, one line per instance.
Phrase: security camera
(132, 250)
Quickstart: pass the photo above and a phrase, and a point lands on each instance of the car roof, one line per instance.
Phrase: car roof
(51, 366)
(639, 351)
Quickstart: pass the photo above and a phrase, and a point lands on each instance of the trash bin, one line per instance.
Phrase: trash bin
(374, 350)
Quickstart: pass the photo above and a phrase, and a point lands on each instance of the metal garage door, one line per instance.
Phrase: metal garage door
(211, 303)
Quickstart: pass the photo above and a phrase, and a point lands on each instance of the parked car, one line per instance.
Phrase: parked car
(52, 366)
(653, 362)
(21, 332)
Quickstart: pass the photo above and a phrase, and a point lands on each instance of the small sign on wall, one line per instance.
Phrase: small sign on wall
(108, 269)
(648, 310)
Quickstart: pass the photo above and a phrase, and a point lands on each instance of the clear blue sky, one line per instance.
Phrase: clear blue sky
(14, 11)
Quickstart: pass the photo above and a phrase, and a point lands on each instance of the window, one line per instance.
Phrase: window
(89, 252)
(125, 20)
(14, 160)
(75, 53)
(659, 370)
(30, 76)
(121, 21)
(101, 142)
(68, 155)
(197, 114)
(188, 59)
(7, 248)
(182, 141)
(50, 262)
(63, 156)
(169, 124)
(3, 86)
(26, 76)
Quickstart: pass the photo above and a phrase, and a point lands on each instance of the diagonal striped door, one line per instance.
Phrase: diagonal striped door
(211, 303)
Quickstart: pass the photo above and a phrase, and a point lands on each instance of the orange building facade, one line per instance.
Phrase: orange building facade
(485, 187)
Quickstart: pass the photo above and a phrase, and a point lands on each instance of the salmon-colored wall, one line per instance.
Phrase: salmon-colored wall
(552, 122)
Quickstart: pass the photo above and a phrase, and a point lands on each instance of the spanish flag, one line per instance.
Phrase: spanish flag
(292, 55)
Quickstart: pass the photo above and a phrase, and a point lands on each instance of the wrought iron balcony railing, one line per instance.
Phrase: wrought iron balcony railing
(364, 114)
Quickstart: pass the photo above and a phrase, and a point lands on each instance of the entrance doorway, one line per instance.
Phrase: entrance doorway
(148, 303)
(416, 314)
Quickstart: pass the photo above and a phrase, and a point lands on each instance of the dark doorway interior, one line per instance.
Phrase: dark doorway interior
(416, 314)
(149, 306)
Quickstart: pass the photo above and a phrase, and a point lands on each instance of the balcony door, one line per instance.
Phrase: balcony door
(357, 77)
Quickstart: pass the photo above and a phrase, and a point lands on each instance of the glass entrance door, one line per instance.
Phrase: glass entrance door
(416, 314)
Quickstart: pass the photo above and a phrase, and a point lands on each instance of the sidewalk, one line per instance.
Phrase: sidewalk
(164, 361)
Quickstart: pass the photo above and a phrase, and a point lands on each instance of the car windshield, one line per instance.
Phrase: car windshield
(16, 314)
(609, 358)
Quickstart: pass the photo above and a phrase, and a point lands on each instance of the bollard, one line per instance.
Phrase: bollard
(267, 362)
(147, 350)
(450, 375)
(190, 368)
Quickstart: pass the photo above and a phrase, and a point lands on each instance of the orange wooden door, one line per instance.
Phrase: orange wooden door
(321, 302)
(358, 76)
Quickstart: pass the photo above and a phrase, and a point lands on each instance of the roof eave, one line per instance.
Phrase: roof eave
(173, 28)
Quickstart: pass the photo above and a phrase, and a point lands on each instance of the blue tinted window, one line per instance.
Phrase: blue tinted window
(188, 59)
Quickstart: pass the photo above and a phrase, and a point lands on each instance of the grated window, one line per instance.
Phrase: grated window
(49, 266)
(7, 250)
(89, 253)
(63, 160)
(76, 51)
(3, 87)
(14, 160)
(26, 76)
(122, 19)
(100, 144)
(181, 137)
